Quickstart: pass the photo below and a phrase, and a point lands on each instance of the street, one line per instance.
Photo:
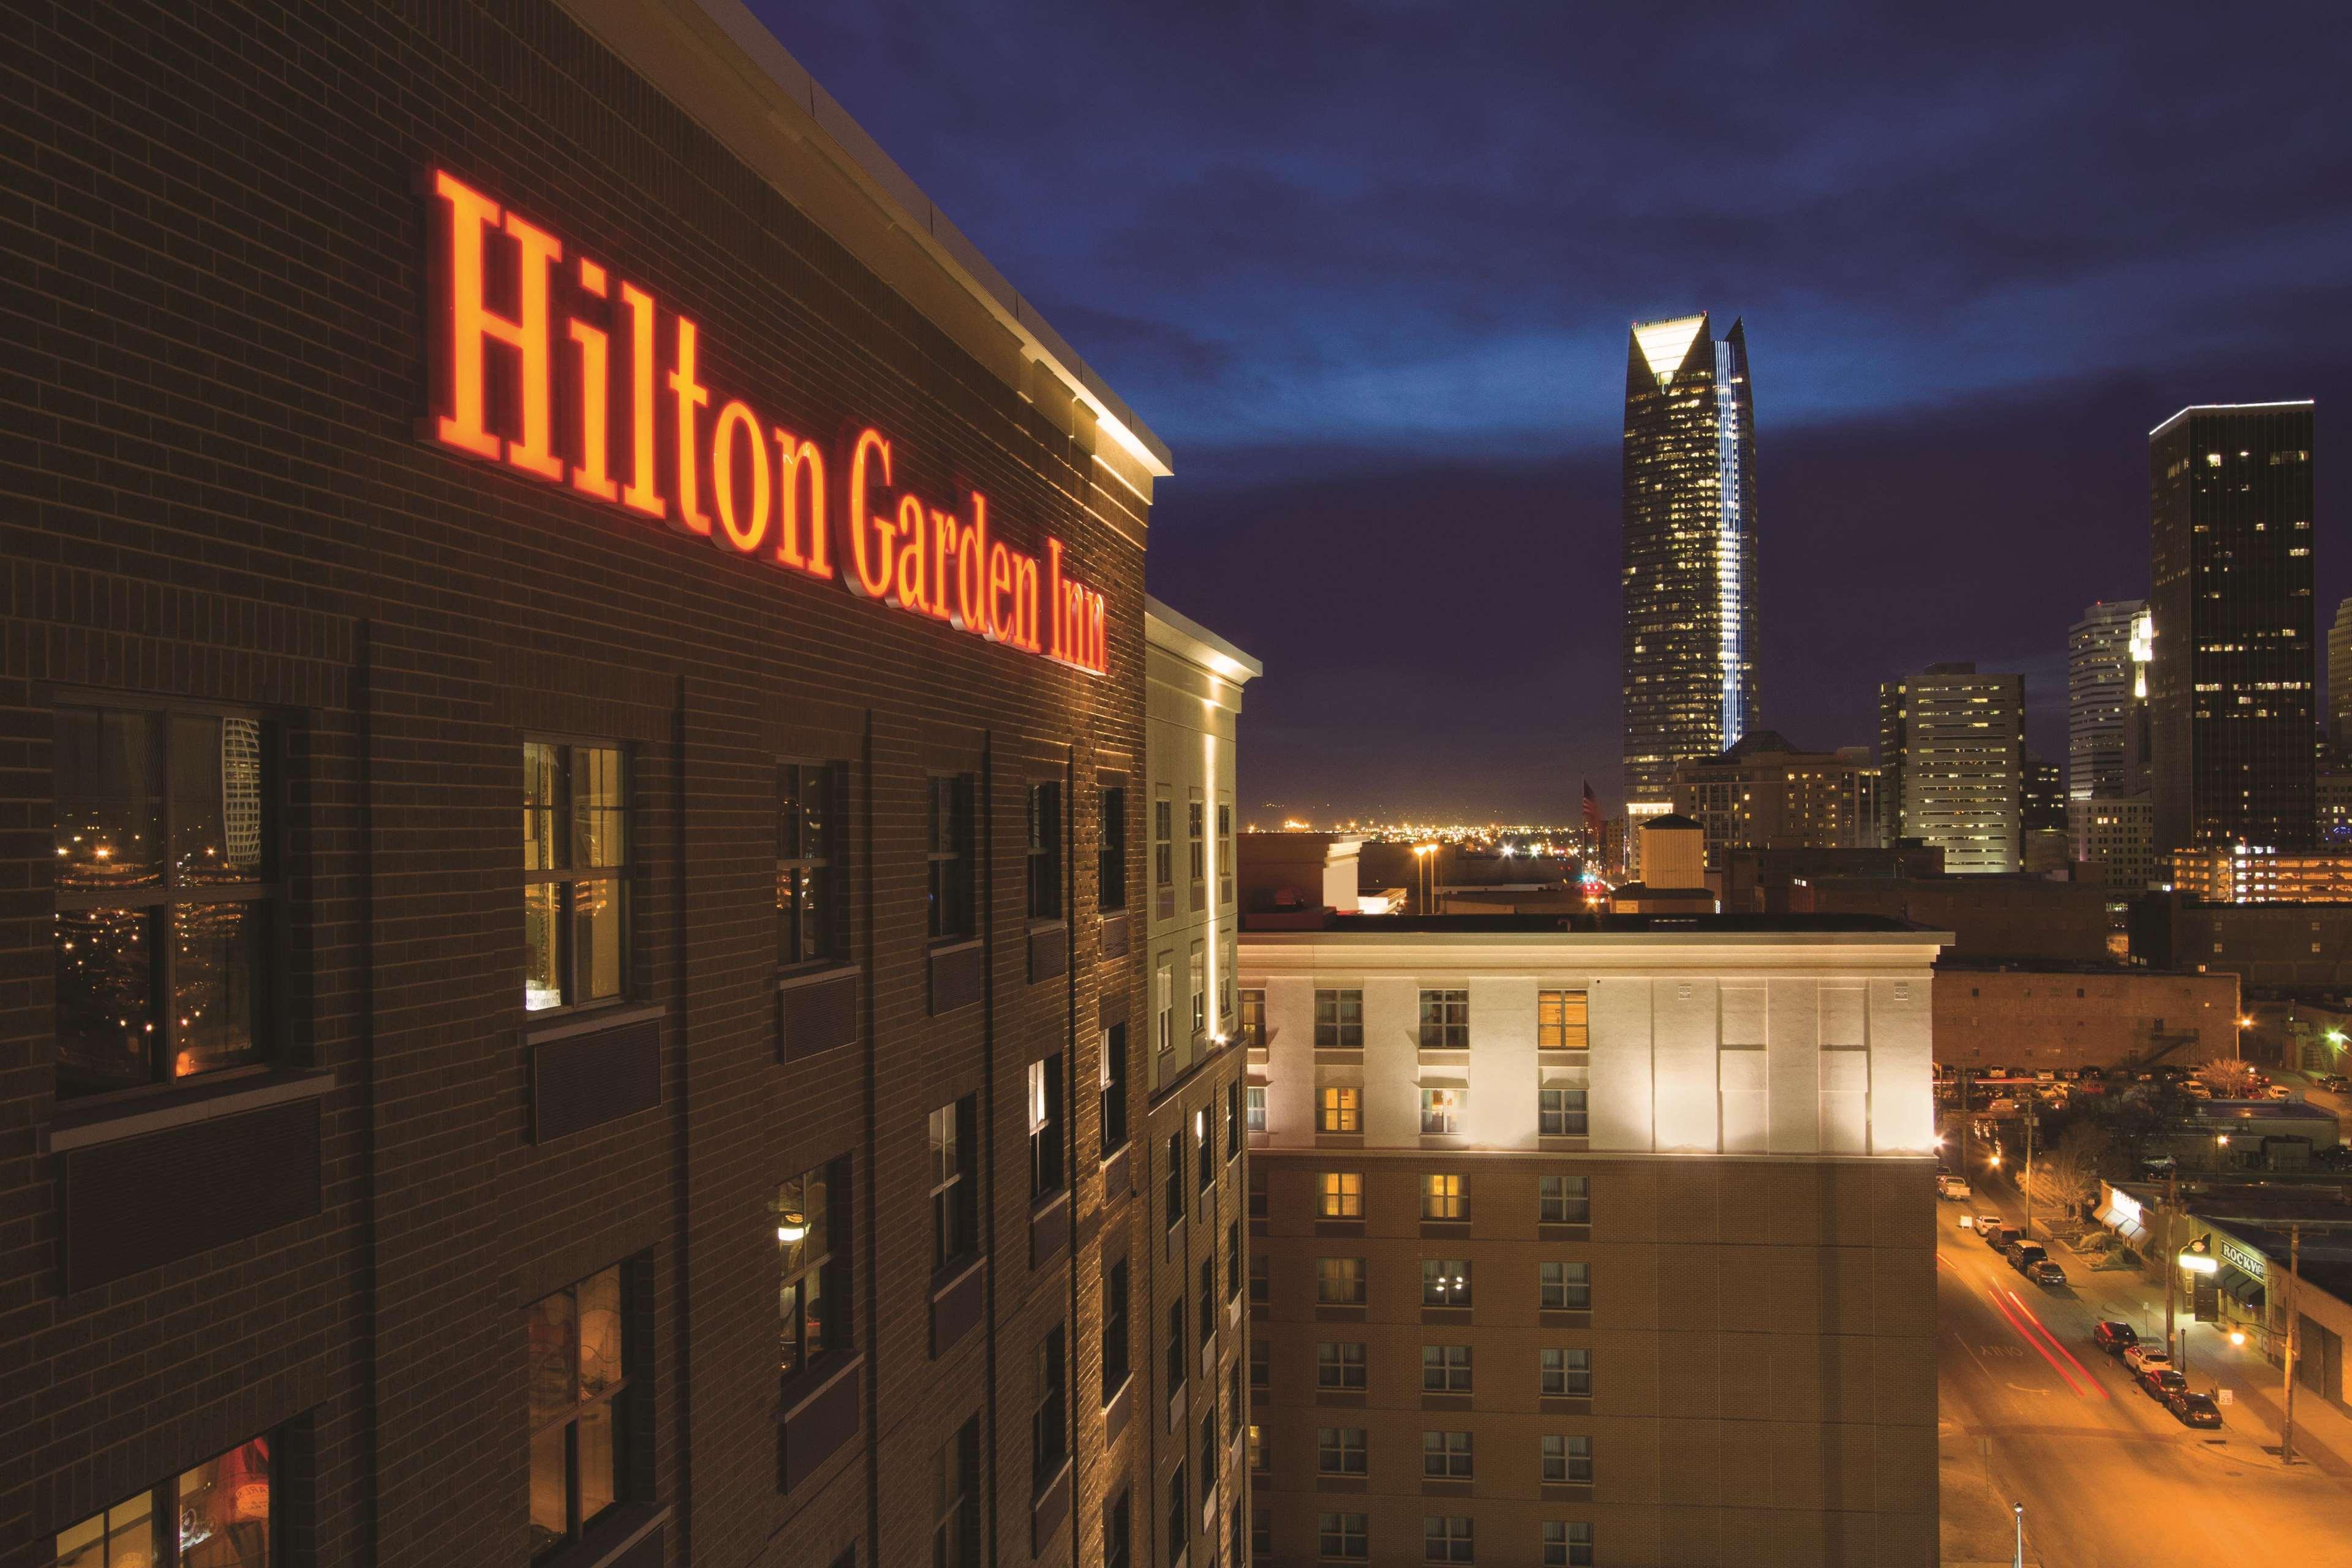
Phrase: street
(2032, 1411)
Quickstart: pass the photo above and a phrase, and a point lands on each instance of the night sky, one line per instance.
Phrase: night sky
(1369, 268)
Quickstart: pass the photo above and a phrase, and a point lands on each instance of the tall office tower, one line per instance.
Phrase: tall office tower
(2339, 677)
(2231, 693)
(1952, 745)
(1690, 552)
(2098, 692)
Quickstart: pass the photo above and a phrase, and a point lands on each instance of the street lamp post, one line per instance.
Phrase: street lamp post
(2019, 1509)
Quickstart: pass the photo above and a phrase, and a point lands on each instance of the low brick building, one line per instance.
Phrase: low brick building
(2038, 1019)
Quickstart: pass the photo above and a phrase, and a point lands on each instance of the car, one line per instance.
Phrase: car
(2114, 1337)
(2193, 1409)
(1998, 1237)
(2161, 1383)
(2045, 1271)
(2022, 1254)
(2001, 1108)
(2140, 1355)
(1987, 1224)
(2337, 1083)
(1953, 1189)
(2196, 1090)
(2278, 1092)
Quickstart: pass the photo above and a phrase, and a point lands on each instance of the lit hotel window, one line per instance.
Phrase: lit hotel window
(575, 861)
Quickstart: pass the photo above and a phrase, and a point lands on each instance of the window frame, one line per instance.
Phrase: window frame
(833, 1269)
(954, 1190)
(1569, 1205)
(1117, 1331)
(1338, 1108)
(1164, 847)
(1252, 1025)
(1449, 1280)
(952, 855)
(1442, 1110)
(823, 855)
(1552, 1359)
(156, 903)
(1344, 1537)
(1048, 1116)
(1048, 896)
(1350, 1270)
(1254, 1108)
(1444, 1196)
(620, 1399)
(165, 1509)
(567, 876)
(1445, 1019)
(1340, 1195)
(1451, 1369)
(1343, 1034)
(1455, 1541)
(1111, 851)
(1567, 1459)
(955, 1520)
(1555, 1029)
(1112, 1129)
(1049, 1409)
(1554, 1119)
(1339, 1371)
(1559, 1291)
(1335, 1455)
(1450, 1459)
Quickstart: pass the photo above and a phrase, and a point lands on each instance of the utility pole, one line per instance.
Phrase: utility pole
(2033, 1119)
(2168, 1255)
(1967, 1130)
(2294, 1282)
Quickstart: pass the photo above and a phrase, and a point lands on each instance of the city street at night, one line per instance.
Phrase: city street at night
(2032, 1411)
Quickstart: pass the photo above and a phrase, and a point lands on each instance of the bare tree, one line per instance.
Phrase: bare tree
(2066, 1177)
(2228, 1079)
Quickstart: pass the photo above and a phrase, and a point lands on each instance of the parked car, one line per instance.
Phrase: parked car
(1987, 1224)
(1998, 1236)
(2278, 1092)
(1953, 1189)
(2140, 1355)
(2161, 1383)
(2337, 1083)
(2045, 1271)
(2113, 1337)
(2193, 1409)
(2196, 1090)
(2001, 1108)
(2024, 1254)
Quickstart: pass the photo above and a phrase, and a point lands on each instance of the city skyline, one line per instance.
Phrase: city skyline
(1427, 418)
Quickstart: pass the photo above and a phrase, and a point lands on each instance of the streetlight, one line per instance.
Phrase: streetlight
(2019, 1509)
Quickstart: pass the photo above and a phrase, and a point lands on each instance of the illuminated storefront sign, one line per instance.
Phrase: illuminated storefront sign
(556, 372)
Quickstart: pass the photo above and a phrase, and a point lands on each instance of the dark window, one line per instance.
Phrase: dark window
(167, 895)
(575, 873)
(1339, 1281)
(811, 879)
(1444, 1282)
(582, 1352)
(1258, 1188)
(1114, 1090)
(1445, 1369)
(1261, 1523)
(1446, 1455)
(955, 1508)
(1347, 1536)
(1261, 1363)
(1340, 1020)
(1175, 1177)
(1253, 1026)
(1232, 1119)
(1236, 1402)
(1045, 851)
(1261, 1278)
(1339, 1450)
(1209, 1449)
(1339, 1364)
(1208, 1313)
(1566, 1287)
(1568, 1461)
(955, 1198)
(1204, 1147)
(812, 1242)
(1117, 1351)
(1446, 1540)
(1110, 874)
(1225, 839)
(1177, 1360)
(1566, 1544)
(1177, 1513)
(1163, 849)
(1446, 1020)
(217, 1515)
(1119, 1532)
(1567, 1199)
(1561, 1113)
(1049, 1415)
(1046, 1126)
(1567, 1372)
(951, 856)
(1196, 841)
(1233, 1258)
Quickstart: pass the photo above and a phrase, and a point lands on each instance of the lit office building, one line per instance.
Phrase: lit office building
(2099, 676)
(1765, 794)
(1592, 1241)
(2231, 691)
(2242, 874)
(1689, 516)
(2339, 677)
(1951, 743)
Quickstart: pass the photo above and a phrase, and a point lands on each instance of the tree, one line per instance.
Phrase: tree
(2228, 1079)
(2067, 1177)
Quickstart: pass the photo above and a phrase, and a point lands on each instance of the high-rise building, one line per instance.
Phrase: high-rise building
(1952, 741)
(1689, 572)
(2339, 677)
(2098, 693)
(1765, 794)
(2231, 692)
(1534, 1209)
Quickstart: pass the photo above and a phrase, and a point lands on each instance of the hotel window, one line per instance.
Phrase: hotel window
(1207, 1315)
(1261, 1534)
(810, 913)
(1114, 1090)
(1339, 1281)
(167, 895)
(1045, 1127)
(1261, 1278)
(1163, 850)
(1346, 1536)
(1566, 1544)
(1339, 1363)
(1339, 1450)
(1178, 1361)
(955, 1197)
(1445, 1456)
(1175, 1179)
(1444, 1282)
(1204, 1148)
(1258, 1191)
(580, 1357)
(1115, 1349)
(1209, 1453)
(1196, 842)
(1444, 1197)
(1566, 1373)
(1337, 1109)
(1198, 972)
(1253, 1017)
(1340, 1195)
(575, 857)
(1225, 852)
(811, 1215)
(1233, 1138)
(1446, 1538)
(1256, 1107)
(218, 1515)
(1566, 1287)
(1561, 1113)
(1440, 1109)
(1110, 861)
(1340, 1020)
(955, 1509)
(1177, 1515)
(1233, 1256)
(1227, 966)
(1561, 1019)
(950, 852)
(1049, 1415)
(1119, 1532)
(1568, 1461)
(1256, 1446)
(1567, 1200)
(1261, 1363)
(1045, 851)
(1164, 998)
(1445, 1369)
(1446, 1020)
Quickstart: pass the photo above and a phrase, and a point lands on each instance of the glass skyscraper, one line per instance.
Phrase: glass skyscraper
(2232, 699)
(2100, 671)
(1689, 551)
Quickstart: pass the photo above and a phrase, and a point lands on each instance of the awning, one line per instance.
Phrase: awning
(2123, 1222)
(2242, 1287)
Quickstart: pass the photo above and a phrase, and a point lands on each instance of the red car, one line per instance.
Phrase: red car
(2114, 1338)
(2161, 1383)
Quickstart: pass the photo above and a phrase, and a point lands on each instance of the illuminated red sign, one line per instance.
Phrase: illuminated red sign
(556, 372)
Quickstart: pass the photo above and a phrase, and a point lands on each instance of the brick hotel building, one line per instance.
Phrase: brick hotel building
(1583, 1242)
(792, 1135)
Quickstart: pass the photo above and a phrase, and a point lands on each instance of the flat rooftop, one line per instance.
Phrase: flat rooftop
(1330, 924)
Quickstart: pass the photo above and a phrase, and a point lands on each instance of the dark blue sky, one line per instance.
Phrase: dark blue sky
(1369, 268)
